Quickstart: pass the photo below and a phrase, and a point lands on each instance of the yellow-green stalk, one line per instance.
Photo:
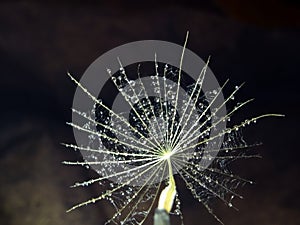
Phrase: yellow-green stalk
(167, 196)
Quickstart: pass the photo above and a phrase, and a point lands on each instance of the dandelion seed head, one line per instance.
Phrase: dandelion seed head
(168, 122)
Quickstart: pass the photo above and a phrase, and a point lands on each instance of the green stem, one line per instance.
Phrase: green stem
(161, 217)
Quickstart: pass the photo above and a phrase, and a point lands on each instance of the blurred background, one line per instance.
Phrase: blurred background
(256, 42)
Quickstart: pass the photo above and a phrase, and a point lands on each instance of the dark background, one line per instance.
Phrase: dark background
(252, 41)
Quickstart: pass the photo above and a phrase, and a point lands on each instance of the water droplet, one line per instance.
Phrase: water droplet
(134, 99)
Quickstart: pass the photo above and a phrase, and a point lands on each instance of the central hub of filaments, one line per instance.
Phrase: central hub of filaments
(167, 154)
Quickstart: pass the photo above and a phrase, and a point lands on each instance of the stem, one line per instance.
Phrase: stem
(167, 195)
(161, 217)
(166, 200)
